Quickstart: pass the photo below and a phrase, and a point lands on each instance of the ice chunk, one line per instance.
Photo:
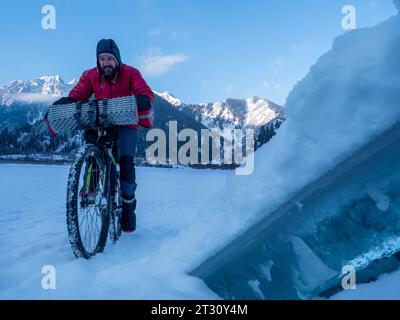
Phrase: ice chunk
(255, 286)
(382, 201)
(299, 205)
(312, 270)
(266, 270)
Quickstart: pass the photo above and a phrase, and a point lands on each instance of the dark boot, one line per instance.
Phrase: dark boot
(128, 217)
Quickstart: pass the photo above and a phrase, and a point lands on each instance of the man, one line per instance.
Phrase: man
(112, 79)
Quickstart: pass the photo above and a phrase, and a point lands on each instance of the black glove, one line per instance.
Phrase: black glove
(64, 100)
(143, 103)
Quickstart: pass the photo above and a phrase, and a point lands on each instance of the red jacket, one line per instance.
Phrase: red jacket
(128, 82)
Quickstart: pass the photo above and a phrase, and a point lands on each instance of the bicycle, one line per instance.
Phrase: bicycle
(94, 201)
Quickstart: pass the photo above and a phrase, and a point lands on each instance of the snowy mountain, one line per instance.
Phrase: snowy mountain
(24, 102)
(253, 112)
(40, 90)
(229, 113)
(22, 130)
(170, 98)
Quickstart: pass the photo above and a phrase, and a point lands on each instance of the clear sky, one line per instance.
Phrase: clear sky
(200, 50)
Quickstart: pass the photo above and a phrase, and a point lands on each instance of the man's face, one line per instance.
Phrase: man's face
(108, 64)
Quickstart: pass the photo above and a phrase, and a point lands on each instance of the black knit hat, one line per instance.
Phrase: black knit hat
(108, 46)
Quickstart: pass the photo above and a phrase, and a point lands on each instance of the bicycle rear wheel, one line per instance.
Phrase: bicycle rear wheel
(87, 211)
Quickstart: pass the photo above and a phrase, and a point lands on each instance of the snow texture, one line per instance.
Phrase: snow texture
(140, 266)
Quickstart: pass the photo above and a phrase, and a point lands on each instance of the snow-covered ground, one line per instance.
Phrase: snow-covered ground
(148, 264)
(386, 287)
(140, 266)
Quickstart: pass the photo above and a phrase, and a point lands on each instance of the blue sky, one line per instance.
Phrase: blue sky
(201, 51)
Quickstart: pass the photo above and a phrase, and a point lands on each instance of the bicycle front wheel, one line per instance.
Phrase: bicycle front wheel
(87, 213)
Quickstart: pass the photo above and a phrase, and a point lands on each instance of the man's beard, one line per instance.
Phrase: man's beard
(109, 72)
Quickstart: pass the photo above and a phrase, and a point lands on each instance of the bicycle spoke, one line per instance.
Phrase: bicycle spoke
(85, 233)
(92, 223)
(91, 235)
